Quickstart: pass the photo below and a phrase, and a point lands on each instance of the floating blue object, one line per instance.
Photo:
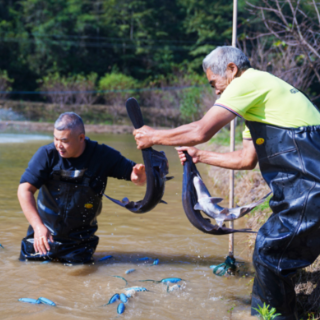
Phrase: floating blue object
(121, 308)
(138, 289)
(130, 270)
(105, 258)
(219, 269)
(144, 259)
(47, 301)
(155, 262)
(222, 268)
(1, 246)
(46, 261)
(28, 300)
(171, 280)
(113, 299)
(123, 298)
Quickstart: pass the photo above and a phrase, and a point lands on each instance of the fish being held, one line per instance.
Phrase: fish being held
(156, 165)
(209, 206)
(189, 200)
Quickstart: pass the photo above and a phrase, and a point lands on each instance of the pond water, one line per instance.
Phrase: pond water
(164, 233)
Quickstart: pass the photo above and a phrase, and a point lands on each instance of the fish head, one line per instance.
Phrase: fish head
(201, 189)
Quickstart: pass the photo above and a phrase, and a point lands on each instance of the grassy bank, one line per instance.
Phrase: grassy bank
(92, 114)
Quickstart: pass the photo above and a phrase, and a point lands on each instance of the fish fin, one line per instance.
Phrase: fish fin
(125, 200)
(224, 211)
(215, 200)
(118, 202)
(162, 201)
(169, 178)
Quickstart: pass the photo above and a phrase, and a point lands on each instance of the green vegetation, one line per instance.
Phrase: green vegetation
(145, 43)
(267, 314)
(222, 138)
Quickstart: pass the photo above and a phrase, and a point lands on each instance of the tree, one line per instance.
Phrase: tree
(293, 29)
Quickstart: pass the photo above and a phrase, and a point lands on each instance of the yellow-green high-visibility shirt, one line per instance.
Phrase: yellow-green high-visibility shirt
(262, 97)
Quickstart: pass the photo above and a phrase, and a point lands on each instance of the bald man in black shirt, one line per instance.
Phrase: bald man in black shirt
(71, 174)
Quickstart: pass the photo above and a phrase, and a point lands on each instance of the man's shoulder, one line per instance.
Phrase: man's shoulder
(101, 147)
(48, 149)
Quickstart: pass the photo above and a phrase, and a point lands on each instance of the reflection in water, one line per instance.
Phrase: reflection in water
(164, 233)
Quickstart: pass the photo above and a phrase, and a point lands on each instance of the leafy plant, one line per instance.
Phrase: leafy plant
(267, 314)
(114, 84)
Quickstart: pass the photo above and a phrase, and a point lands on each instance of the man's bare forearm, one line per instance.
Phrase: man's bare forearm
(187, 135)
(231, 160)
(196, 132)
(28, 205)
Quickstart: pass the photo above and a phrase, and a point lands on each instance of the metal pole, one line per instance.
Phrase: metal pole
(232, 134)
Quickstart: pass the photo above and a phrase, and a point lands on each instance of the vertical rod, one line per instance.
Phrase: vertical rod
(232, 134)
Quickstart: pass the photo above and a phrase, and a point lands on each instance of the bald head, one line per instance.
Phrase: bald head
(69, 121)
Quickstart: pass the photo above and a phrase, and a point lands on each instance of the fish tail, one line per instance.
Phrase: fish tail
(149, 280)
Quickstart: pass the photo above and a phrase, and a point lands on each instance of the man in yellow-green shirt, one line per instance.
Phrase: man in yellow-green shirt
(283, 134)
(261, 97)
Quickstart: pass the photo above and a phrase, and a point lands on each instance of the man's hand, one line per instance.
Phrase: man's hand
(138, 175)
(144, 137)
(41, 236)
(193, 152)
(27, 201)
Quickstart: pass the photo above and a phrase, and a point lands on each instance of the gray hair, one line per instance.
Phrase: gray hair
(69, 120)
(218, 60)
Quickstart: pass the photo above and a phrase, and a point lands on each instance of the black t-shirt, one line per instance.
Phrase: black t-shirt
(103, 160)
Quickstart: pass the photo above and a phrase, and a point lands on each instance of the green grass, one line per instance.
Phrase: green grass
(223, 136)
(262, 206)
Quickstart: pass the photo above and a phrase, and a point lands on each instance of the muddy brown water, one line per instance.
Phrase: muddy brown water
(164, 233)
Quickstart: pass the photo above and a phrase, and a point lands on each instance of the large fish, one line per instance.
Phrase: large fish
(189, 200)
(156, 165)
(209, 206)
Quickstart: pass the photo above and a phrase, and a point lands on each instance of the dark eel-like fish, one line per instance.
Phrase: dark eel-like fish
(156, 165)
(189, 200)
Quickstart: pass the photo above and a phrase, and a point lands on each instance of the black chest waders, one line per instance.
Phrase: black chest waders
(289, 160)
(68, 207)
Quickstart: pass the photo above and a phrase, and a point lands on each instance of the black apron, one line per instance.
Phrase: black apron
(68, 207)
(289, 160)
